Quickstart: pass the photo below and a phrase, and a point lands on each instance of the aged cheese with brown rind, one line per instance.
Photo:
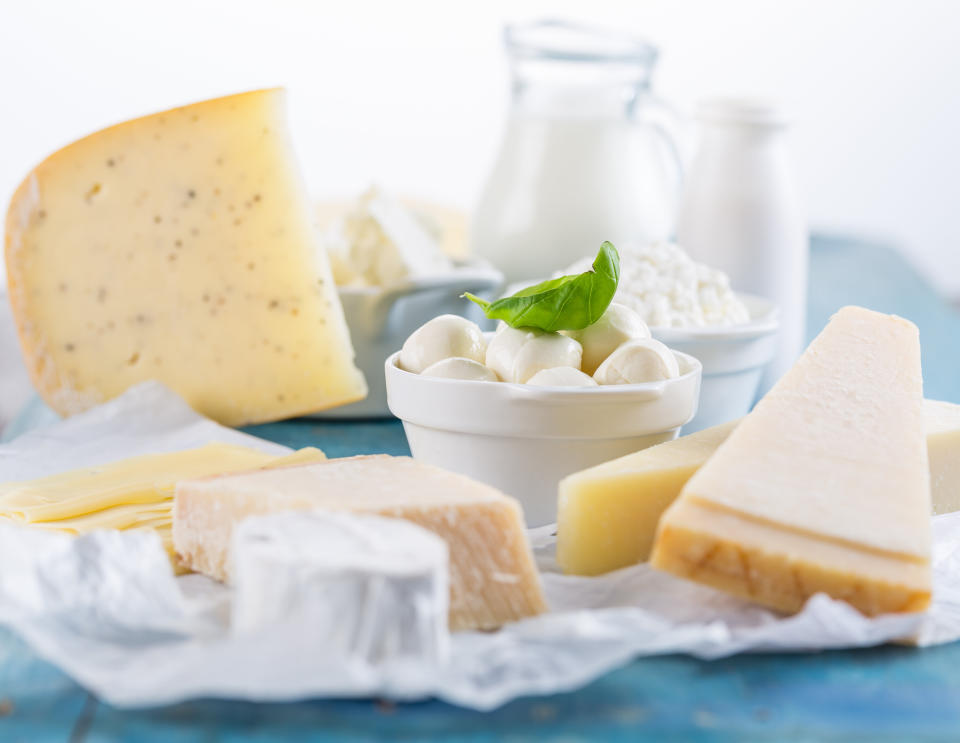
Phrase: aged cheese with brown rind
(493, 578)
(823, 487)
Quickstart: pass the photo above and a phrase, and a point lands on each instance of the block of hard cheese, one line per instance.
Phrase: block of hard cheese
(179, 247)
(824, 487)
(493, 579)
(943, 447)
(607, 515)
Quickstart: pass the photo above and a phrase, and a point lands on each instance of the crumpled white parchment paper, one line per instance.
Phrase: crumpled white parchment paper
(107, 609)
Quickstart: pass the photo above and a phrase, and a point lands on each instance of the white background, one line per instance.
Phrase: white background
(412, 94)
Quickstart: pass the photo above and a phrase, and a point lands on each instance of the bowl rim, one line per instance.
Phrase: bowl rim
(765, 321)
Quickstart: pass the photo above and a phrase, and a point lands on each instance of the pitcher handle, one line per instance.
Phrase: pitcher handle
(674, 129)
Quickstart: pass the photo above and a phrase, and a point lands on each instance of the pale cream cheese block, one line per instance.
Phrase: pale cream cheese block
(943, 447)
(824, 487)
(179, 247)
(608, 514)
(493, 578)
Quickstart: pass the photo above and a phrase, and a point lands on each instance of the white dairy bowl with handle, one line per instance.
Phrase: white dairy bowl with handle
(523, 439)
(734, 358)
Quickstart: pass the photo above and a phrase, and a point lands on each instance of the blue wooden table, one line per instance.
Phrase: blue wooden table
(881, 694)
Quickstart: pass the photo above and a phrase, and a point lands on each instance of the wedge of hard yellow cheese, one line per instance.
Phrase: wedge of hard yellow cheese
(493, 578)
(608, 514)
(179, 247)
(824, 487)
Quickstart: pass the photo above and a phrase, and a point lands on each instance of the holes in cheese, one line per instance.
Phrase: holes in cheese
(179, 247)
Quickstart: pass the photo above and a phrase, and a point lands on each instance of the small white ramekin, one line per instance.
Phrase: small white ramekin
(733, 357)
(524, 439)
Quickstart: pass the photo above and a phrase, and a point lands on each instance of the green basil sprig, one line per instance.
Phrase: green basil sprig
(566, 303)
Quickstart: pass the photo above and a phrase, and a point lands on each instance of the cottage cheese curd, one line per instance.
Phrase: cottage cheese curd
(669, 289)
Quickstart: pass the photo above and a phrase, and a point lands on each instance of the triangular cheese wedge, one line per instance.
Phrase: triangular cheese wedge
(824, 487)
(179, 247)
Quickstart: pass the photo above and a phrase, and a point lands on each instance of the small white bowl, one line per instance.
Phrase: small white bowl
(524, 439)
(380, 320)
(733, 357)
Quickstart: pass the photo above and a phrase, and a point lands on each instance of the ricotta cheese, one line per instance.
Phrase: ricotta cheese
(669, 289)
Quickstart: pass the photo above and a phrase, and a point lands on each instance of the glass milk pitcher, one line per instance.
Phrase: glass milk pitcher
(586, 155)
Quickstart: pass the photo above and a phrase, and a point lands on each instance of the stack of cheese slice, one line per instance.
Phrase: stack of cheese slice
(824, 487)
(135, 493)
(493, 578)
(608, 514)
(179, 247)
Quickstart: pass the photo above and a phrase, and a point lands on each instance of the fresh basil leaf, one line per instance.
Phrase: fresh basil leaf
(566, 303)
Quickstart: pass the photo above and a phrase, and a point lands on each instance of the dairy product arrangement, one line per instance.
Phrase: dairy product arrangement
(180, 248)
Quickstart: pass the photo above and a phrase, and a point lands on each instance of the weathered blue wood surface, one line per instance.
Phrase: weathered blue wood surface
(882, 694)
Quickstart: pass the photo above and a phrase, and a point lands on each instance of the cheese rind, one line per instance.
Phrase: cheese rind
(179, 247)
(822, 483)
(493, 579)
(781, 568)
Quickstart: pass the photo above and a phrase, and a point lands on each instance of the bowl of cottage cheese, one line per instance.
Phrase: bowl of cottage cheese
(692, 308)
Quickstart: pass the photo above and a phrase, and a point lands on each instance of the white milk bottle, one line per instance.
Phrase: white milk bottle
(741, 213)
(585, 156)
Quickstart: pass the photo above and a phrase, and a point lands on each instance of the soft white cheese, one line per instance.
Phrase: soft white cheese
(516, 354)
(637, 361)
(460, 368)
(380, 242)
(669, 289)
(562, 376)
(443, 337)
(616, 325)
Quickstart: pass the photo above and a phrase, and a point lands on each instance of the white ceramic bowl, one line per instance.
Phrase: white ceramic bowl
(380, 320)
(733, 357)
(524, 439)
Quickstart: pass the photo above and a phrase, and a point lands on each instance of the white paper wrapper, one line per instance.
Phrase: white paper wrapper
(107, 609)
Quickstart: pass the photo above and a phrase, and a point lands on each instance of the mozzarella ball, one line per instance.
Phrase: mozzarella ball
(545, 351)
(562, 376)
(617, 325)
(458, 367)
(639, 360)
(503, 349)
(443, 337)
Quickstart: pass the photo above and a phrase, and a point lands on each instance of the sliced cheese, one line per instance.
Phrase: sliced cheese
(131, 493)
(493, 579)
(823, 487)
(608, 514)
(179, 247)
(143, 480)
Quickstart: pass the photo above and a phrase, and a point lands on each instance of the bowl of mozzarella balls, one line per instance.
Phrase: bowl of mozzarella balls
(528, 404)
